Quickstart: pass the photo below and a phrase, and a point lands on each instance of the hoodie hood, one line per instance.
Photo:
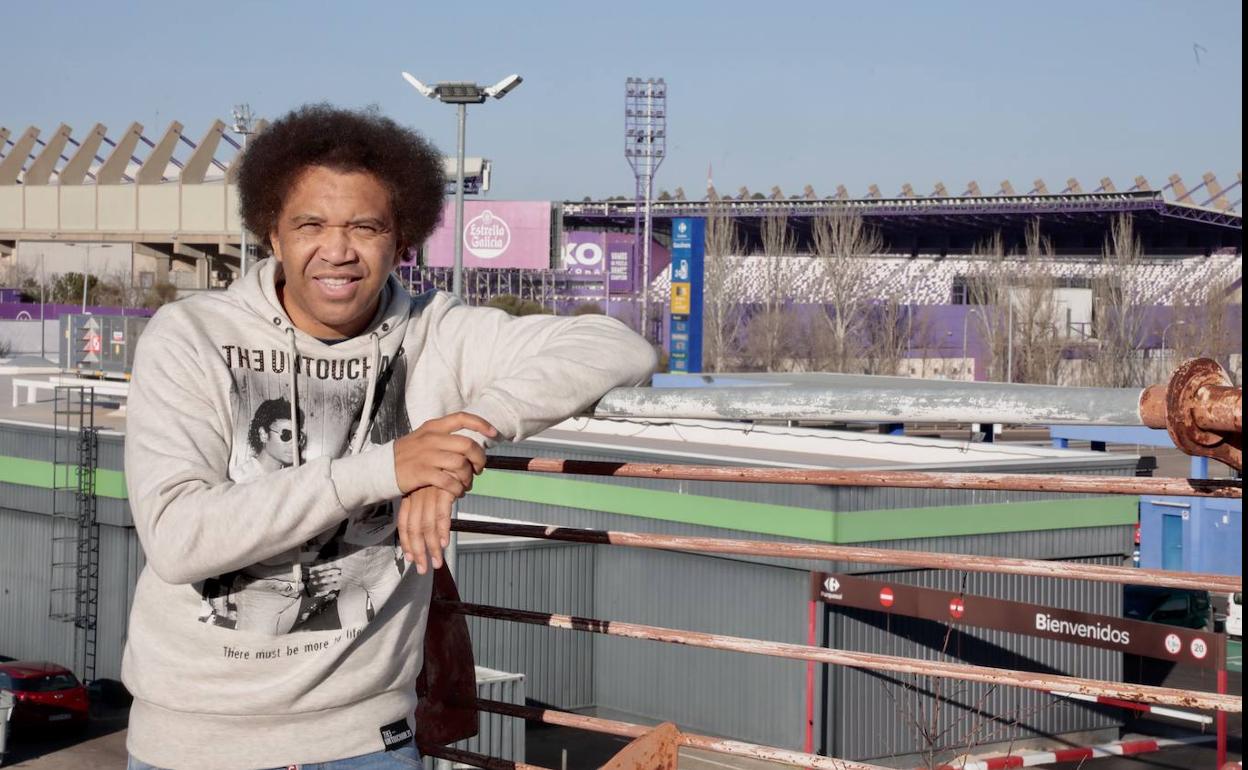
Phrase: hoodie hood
(257, 291)
(381, 340)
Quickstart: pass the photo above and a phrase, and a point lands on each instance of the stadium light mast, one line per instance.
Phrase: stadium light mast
(645, 146)
(244, 126)
(462, 94)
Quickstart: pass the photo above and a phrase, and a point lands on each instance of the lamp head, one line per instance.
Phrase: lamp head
(500, 89)
(424, 90)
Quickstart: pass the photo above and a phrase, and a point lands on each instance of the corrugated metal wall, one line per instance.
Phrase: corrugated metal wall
(749, 697)
(873, 714)
(26, 631)
(34, 442)
(545, 577)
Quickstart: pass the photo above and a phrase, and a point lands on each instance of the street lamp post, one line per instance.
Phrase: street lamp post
(43, 345)
(86, 273)
(462, 94)
(966, 318)
(244, 127)
(1176, 322)
(1009, 343)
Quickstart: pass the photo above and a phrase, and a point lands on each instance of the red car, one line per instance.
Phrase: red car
(45, 694)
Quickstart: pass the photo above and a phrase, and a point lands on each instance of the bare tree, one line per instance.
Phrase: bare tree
(723, 289)
(773, 326)
(988, 291)
(843, 242)
(887, 327)
(1201, 326)
(1118, 311)
(1018, 313)
(1039, 331)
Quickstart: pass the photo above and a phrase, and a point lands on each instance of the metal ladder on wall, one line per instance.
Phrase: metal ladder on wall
(75, 578)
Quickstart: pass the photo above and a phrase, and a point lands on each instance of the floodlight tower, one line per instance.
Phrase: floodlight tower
(645, 146)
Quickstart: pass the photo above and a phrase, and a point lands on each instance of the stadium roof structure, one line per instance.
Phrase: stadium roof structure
(1076, 223)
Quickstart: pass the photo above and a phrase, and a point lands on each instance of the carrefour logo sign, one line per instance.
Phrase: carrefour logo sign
(487, 236)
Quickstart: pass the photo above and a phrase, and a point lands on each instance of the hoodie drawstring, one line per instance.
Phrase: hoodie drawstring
(366, 417)
(293, 353)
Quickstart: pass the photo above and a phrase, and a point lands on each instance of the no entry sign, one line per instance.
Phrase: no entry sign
(1153, 640)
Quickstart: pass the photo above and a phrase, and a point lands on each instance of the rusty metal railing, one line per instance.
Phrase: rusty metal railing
(1199, 408)
(1001, 482)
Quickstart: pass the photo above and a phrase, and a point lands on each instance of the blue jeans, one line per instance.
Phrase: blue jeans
(402, 758)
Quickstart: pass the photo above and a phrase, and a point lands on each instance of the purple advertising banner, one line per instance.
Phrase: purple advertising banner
(514, 234)
(587, 254)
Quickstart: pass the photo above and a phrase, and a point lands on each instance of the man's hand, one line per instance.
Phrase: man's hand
(431, 457)
(433, 469)
(425, 526)
(323, 579)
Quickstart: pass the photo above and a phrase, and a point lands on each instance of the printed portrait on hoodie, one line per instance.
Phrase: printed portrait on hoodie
(343, 576)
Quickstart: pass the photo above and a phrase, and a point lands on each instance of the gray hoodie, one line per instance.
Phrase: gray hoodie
(276, 621)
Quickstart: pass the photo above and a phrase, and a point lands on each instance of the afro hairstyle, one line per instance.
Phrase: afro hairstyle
(406, 164)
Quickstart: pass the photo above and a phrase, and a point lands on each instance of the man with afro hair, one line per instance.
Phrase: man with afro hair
(324, 326)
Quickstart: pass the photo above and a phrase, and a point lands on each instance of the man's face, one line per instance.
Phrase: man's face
(279, 442)
(336, 241)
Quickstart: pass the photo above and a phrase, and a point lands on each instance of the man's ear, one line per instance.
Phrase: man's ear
(274, 245)
(400, 252)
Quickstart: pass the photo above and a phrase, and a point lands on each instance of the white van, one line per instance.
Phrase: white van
(1235, 616)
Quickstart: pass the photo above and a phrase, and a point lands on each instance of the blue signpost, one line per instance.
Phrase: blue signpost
(688, 249)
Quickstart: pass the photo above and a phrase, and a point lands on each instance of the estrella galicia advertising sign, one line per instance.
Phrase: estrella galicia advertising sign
(1150, 640)
(688, 248)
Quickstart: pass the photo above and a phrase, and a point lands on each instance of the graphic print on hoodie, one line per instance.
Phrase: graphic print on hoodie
(340, 578)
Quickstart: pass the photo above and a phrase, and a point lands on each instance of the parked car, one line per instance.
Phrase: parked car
(1235, 615)
(45, 695)
(1172, 606)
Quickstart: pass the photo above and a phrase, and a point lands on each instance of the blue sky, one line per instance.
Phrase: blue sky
(785, 93)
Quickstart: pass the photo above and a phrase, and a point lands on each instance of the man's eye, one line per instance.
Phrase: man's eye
(367, 229)
(309, 227)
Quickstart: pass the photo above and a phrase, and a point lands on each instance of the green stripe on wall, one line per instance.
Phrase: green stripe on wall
(763, 518)
(39, 473)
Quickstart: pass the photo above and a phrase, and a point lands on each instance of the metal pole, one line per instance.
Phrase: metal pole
(86, 271)
(647, 187)
(1166, 696)
(43, 349)
(1179, 322)
(242, 247)
(1009, 356)
(965, 319)
(457, 287)
(1001, 482)
(1006, 565)
(457, 278)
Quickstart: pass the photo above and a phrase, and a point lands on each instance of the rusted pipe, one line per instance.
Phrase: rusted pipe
(690, 740)
(1201, 410)
(476, 760)
(826, 397)
(1221, 408)
(1005, 482)
(966, 672)
(1099, 573)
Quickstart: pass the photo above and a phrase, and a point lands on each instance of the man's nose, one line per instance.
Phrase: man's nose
(335, 246)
